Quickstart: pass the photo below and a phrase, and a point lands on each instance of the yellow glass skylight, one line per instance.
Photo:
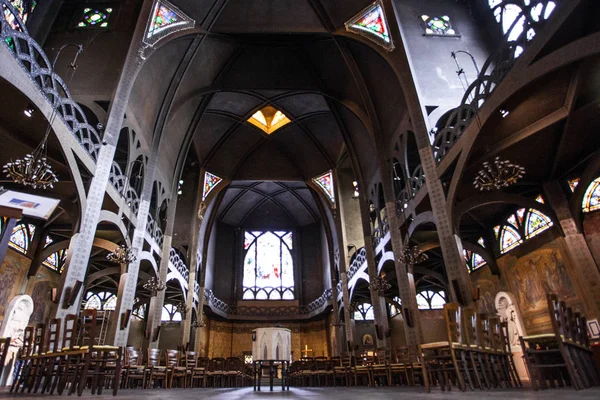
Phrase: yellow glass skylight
(269, 119)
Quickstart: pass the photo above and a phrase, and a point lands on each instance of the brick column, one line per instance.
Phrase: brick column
(587, 276)
(81, 243)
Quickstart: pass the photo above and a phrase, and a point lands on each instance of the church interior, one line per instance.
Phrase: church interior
(315, 197)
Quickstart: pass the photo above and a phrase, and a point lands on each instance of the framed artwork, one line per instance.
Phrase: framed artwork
(367, 340)
(594, 329)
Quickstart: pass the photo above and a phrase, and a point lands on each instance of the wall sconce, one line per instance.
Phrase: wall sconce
(71, 294)
(125, 319)
(356, 193)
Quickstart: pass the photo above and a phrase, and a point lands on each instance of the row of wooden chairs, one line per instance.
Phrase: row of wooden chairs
(380, 368)
(76, 362)
(476, 353)
(563, 357)
(185, 368)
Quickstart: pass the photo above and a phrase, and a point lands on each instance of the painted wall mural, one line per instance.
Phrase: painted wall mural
(12, 272)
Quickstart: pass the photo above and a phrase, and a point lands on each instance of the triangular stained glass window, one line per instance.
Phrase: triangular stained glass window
(210, 181)
(509, 239)
(536, 223)
(164, 20)
(372, 24)
(325, 182)
(591, 199)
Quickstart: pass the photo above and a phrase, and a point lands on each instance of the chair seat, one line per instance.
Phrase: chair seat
(542, 336)
(106, 348)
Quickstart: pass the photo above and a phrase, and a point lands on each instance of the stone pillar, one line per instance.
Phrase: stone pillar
(81, 243)
(157, 302)
(586, 274)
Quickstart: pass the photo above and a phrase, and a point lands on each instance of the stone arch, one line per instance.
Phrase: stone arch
(508, 309)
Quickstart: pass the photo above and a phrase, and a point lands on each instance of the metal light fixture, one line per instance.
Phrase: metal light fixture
(412, 255)
(33, 169)
(199, 323)
(498, 174)
(380, 285)
(182, 308)
(121, 255)
(29, 110)
(154, 285)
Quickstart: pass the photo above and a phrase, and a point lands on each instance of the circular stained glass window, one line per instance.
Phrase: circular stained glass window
(438, 25)
(95, 17)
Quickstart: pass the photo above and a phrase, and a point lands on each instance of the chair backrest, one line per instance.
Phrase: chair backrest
(383, 356)
(190, 359)
(27, 348)
(556, 316)
(87, 331)
(172, 357)
(154, 358)
(402, 355)
(70, 331)
(134, 357)
(217, 364)
(485, 330)
(52, 340)
(39, 336)
(321, 364)
(336, 361)
(505, 337)
(235, 364)
(470, 329)
(581, 335)
(452, 316)
(497, 335)
(203, 362)
(4, 345)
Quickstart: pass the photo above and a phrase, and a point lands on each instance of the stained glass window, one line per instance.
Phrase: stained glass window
(430, 300)
(509, 239)
(591, 199)
(96, 17)
(536, 223)
(100, 301)
(473, 260)
(56, 261)
(512, 17)
(165, 19)
(170, 314)
(573, 183)
(394, 309)
(210, 181)
(520, 215)
(21, 237)
(269, 119)
(24, 8)
(540, 199)
(140, 311)
(364, 312)
(48, 241)
(497, 231)
(372, 24)
(325, 182)
(481, 242)
(438, 26)
(268, 266)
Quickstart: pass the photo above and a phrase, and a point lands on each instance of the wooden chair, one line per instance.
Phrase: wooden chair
(418, 369)
(157, 371)
(446, 360)
(363, 370)
(200, 371)
(339, 371)
(478, 365)
(35, 362)
(546, 356)
(216, 371)
(23, 359)
(381, 366)
(135, 370)
(235, 372)
(4, 346)
(175, 369)
(51, 356)
(322, 370)
(401, 366)
(512, 368)
(67, 357)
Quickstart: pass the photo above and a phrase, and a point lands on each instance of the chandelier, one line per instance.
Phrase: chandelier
(182, 308)
(198, 323)
(154, 285)
(380, 285)
(33, 169)
(498, 174)
(121, 255)
(412, 255)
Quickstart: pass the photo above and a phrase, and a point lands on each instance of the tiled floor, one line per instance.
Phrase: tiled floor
(327, 393)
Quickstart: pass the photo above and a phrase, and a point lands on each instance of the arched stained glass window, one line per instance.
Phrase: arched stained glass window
(591, 199)
(100, 301)
(21, 237)
(509, 239)
(430, 300)
(56, 261)
(536, 223)
(268, 266)
(394, 309)
(170, 314)
(364, 312)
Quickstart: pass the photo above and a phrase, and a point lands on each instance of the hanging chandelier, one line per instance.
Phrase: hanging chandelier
(497, 175)
(33, 169)
(182, 308)
(380, 285)
(122, 255)
(154, 285)
(412, 255)
(198, 323)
